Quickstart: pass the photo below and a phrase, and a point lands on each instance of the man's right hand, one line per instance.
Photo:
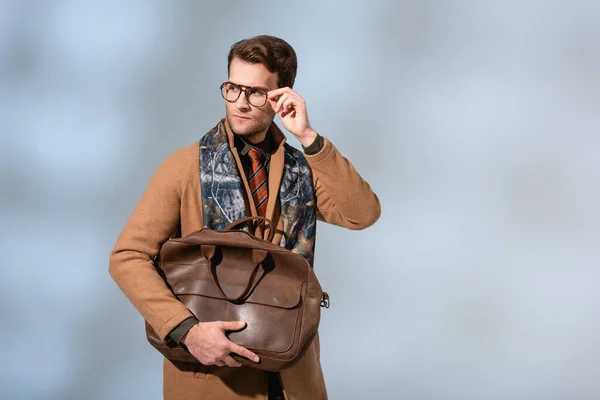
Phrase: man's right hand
(208, 343)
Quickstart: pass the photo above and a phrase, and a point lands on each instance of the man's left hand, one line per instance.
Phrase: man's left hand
(291, 108)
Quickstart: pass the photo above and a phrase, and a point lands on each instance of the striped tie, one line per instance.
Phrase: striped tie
(257, 181)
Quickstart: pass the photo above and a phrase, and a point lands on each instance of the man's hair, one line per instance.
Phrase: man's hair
(274, 53)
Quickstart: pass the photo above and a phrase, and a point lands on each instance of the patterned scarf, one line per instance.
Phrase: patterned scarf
(223, 198)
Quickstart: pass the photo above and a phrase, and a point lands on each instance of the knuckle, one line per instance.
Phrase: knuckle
(237, 349)
(230, 362)
(222, 352)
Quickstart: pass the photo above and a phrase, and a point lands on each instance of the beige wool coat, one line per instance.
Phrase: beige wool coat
(343, 198)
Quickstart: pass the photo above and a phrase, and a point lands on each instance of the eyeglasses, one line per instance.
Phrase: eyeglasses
(257, 96)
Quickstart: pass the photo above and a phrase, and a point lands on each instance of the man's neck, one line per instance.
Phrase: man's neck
(257, 137)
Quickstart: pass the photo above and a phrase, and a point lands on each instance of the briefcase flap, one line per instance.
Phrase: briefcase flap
(270, 290)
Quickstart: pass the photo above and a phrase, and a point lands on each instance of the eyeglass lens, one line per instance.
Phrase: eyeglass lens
(255, 96)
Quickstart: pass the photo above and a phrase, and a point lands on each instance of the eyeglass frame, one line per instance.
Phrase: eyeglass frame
(244, 88)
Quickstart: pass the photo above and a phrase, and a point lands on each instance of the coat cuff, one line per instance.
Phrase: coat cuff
(179, 332)
(323, 154)
(172, 323)
(316, 146)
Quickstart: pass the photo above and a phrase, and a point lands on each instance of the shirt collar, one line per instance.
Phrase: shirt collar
(266, 147)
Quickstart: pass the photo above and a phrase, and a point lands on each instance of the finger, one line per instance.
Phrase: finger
(219, 363)
(278, 92)
(232, 325)
(234, 348)
(273, 104)
(287, 95)
(291, 112)
(287, 105)
(280, 102)
(230, 362)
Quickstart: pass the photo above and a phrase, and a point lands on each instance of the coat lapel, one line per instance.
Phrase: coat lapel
(275, 170)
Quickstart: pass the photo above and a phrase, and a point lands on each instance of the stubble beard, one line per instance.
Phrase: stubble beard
(251, 131)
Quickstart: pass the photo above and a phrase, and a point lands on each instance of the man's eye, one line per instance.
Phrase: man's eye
(233, 87)
(256, 92)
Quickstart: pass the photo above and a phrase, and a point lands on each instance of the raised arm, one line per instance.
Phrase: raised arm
(343, 197)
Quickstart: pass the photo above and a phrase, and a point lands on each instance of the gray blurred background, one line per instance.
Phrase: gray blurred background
(476, 122)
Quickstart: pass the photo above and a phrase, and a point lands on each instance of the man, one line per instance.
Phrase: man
(261, 175)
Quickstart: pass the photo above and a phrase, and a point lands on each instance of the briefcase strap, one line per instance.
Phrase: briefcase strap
(256, 222)
(258, 256)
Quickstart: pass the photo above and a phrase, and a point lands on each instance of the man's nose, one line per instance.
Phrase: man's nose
(242, 102)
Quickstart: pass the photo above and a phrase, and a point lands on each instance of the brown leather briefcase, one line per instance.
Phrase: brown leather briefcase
(232, 275)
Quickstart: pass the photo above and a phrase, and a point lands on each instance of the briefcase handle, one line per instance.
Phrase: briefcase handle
(263, 221)
(258, 256)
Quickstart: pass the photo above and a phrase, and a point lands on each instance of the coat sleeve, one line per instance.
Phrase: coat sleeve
(343, 197)
(153, 221)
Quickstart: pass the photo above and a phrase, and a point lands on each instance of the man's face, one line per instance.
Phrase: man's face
(245, 119)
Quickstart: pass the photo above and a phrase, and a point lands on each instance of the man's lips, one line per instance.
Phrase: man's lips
(241, 118)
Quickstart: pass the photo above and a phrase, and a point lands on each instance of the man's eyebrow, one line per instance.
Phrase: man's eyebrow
(266, 89)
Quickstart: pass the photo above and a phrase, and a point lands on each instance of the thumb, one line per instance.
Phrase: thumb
(232, 325)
